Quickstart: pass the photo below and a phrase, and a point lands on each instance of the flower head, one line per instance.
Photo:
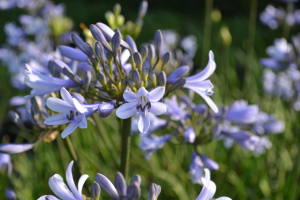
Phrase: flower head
(142, 103)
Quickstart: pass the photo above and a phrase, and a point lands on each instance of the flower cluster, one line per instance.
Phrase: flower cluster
(282, 76)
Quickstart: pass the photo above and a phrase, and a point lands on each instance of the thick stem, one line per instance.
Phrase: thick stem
(124, 167)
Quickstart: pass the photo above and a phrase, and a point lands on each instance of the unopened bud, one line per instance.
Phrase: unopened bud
(120, 185)
(226, 36)
(136, 77)
(158, 42)
(70, 74)
(134, 192)
(98, 35)
(130, 41)
(144, 52)
(162, 79)
(102, 79)
(15, 118)
(201, 110)
(100, 53)
(105, 109)
(131, 83)
(87, 80)
(143, 9)
(116, 41)
(151, 53)
(123, 84)
(177, 85)
(95, 191)
(117, 9)
(154, 192)
(138, 60)
(165, 59)
(145, 73)
(109, 57)
(110, 18)
(152, 77)
(83, 46)
(136, 179)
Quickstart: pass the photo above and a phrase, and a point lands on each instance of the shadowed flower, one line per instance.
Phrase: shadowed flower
(10, 148)
(142, 103)
(70, 110)
(151, 143)
(240, 112)
(42, 84)
(5, 163)
(58, 187)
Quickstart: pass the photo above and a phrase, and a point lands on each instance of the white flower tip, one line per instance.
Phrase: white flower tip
(211, 55)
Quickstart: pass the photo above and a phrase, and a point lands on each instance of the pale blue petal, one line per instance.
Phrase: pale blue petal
(59, 188)
(142, 92)
(70, 181)
(204, 85)
(81, 182)
(107, 185)
(66, 95)
(59, 105)
(79, 107)
(180, 72)
(127, 110)
(57, 120)
(70, 128)
(156, 94)
(83, 123)
(72, 53)
(144, 122)
(10, 148)
(208, 100)
(130, 96)
(158, 108)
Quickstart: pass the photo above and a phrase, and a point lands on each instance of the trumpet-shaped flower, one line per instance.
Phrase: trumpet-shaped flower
(11, 148)
(142, 103)
(70, 110)
(42, 84)
(199, 82)
(209, 188)
(58, 187)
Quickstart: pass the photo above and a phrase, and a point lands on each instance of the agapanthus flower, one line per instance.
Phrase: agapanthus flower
(175, 111)
(60, 189)
(241, 112)
(151, 143)
(196, 168)
(200, 83)
(156, 123)
(70, 111)
(209, 188)
(142, 103)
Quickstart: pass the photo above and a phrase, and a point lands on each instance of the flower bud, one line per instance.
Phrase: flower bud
(131, 84)
(136, 77)
(138, 60)
(154, 192)
(151, 54)
(162, 79)
(152, 77)
(143, 9)
(216, 131)
(123, 84)
(117, 9)
(105, 109)
(120, 184)
(145, 73)
(87, 80)
(100, 53)
(158, 42)
(98, 35)
(83, 46)
(136, 179)
(134, 192)
(101, 77)
(189, 135)
(110, 18)
(144, 52)
(210, 164)
(95, 191)
(116, 41)
(165, 60)
(109, 57)
(177, 85)
(131, 43)
(201, 109)
(71, 75)
(15, 118)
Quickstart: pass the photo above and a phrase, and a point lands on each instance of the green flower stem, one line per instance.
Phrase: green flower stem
(124, 167)
(73, 154)
(207, 31)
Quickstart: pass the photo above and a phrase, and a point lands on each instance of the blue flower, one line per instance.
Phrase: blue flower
(196, 168)
(189, 135)
(70, 111)
(142, 103)
(175, 111)
(58, 187)
(240, 112)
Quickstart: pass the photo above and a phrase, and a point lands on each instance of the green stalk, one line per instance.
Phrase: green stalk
(286, 27)
(207, 31)
(124, 167)
(73, 154)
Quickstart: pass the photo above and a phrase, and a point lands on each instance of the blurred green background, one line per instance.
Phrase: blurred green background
(274, 175)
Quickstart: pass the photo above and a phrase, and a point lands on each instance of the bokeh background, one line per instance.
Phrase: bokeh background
(274, 175)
